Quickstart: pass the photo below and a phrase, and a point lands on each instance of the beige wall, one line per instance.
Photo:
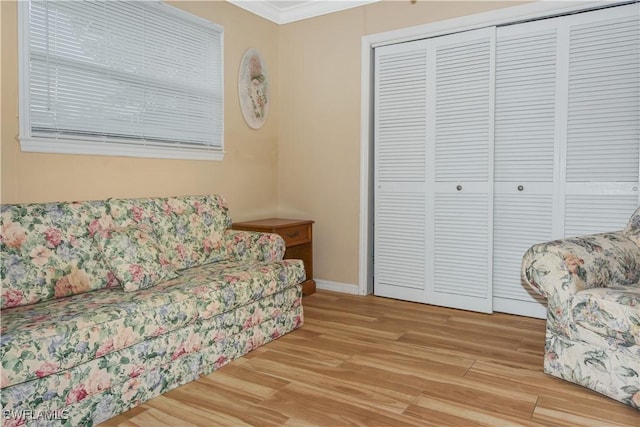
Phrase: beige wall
(304, 163)
(319, 138)
(247, 177)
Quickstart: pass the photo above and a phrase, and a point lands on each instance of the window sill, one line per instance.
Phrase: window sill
(94, 148)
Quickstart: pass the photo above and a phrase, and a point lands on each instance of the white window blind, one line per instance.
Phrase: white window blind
(129, 78)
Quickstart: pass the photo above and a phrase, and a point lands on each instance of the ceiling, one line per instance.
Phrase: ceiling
(286, 11)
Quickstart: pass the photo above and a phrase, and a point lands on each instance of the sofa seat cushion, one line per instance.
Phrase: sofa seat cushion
(613, 313)
(115, 369)
(46, 338)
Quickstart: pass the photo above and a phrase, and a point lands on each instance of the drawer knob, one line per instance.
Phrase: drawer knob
(459, 187)
(520, 187)
(292, 235)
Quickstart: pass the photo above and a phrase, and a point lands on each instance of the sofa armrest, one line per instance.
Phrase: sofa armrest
(254, 246)
(560, 268)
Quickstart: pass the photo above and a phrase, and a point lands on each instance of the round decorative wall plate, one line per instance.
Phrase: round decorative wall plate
(253, 88)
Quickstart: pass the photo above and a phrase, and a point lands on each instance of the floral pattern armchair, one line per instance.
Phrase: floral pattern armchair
(592, 287)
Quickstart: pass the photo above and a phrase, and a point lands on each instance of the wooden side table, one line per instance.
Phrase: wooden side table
(298, 239)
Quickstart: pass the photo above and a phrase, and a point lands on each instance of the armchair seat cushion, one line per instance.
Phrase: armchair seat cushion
(612, 313)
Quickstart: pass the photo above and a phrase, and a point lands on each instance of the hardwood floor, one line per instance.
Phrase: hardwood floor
(369, 361)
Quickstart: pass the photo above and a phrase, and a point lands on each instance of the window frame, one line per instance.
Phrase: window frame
(110, 146)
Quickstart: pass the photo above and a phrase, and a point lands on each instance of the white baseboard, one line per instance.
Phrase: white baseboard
(345, 288)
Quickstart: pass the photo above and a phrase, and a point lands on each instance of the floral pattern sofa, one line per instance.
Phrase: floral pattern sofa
(592, 287)
(106, 304)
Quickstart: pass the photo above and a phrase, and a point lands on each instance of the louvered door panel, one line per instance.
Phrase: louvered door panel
(520, 220)
(525, 112)
(400, 245)
(400, 170)
(460, 263)
(463, 72)
(461, 140)
(603, 126)
(526, 140)
(590, 214)
(604, 97)
(401, 115)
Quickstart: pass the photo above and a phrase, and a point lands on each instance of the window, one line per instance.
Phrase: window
(128, 78)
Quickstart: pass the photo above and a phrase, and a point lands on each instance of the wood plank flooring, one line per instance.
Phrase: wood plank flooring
(368, 361)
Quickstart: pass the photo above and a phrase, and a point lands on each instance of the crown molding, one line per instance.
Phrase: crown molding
(260, 8)
(297, 12)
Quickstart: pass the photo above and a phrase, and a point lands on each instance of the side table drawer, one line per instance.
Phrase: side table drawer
(296, 235)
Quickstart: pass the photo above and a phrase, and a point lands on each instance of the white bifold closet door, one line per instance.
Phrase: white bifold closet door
(566, 137)
(527, 144)
(460, 170)
(602, 148)
(400, 169)
(433, 170)
(491, 140)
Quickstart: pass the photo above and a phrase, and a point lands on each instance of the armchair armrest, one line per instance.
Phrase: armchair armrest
(560, 268)
(570, 265)
(254, 246)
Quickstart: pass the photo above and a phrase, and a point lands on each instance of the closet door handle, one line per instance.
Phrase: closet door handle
(459, 187)
(520, 187)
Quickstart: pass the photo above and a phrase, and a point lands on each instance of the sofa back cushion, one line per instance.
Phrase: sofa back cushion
(133, 256)
(632, 231)
(47, 251)
(189, 229)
